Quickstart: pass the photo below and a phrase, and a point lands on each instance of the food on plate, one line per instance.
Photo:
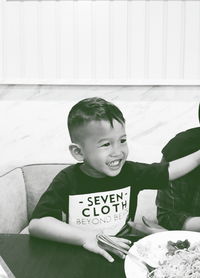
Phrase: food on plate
(182, 261)
(179, 244)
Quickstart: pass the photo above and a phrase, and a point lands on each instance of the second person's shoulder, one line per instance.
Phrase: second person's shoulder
(182, 144)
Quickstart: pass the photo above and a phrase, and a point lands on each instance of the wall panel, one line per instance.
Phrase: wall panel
(100, 42)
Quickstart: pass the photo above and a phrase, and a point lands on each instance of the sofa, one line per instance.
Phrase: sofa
(21, 188)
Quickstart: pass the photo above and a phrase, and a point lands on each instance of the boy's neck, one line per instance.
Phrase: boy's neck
(86, 169)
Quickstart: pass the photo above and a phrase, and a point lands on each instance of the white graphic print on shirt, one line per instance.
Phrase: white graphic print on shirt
(102, 211)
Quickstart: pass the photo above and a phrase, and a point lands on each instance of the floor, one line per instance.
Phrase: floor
(33, 119)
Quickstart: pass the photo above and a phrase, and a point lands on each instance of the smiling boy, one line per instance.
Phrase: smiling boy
(95, 141)
(99, 193)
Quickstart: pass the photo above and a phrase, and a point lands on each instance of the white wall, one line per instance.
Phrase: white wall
(33, 119)
(100, 42)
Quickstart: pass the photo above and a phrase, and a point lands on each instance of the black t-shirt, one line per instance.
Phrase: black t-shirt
(103, 204)
(182, 199)
(184, 143)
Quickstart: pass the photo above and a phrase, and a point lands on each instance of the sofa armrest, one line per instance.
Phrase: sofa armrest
(13, 203)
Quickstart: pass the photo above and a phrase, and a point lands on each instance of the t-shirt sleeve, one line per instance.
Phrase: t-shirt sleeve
(184, 143)
(53, 201)
(151, 176)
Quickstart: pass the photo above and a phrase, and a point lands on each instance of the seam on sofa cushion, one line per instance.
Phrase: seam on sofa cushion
(8, 172)
(25, 189)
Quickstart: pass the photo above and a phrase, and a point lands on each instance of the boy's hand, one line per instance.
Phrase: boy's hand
(91, 244)
(145, 228)
(122, 243)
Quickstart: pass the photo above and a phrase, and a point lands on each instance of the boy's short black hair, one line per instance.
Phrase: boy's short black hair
(93, 109)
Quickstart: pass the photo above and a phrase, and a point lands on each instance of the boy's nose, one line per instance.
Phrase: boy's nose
(116, 151)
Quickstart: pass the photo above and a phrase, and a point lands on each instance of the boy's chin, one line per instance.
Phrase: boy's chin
(104, 174)
(113, 173)
(101, 173)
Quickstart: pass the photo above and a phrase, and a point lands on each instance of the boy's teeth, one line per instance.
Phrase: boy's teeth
(114, 163)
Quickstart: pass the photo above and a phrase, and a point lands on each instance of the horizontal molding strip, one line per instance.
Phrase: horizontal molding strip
(138, 82)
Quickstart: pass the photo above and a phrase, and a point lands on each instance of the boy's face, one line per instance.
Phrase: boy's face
(104, 148)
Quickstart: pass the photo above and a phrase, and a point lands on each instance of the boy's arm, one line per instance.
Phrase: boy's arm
(53, 229)
(184, 165)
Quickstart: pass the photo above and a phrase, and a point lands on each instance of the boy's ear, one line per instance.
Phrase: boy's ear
(76, 152)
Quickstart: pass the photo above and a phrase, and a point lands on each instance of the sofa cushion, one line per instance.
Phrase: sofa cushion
(37, 178)
(25, 231)
(13, 205)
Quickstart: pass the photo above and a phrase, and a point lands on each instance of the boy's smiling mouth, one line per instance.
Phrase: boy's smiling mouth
(115, 163)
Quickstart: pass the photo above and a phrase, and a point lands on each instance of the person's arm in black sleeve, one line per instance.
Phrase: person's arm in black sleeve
(173, 209)
(172, 205)
(184, 149)
(157, 175)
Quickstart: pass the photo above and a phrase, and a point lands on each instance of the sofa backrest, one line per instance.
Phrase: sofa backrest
(37, 178)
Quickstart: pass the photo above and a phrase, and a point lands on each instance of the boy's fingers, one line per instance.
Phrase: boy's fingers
(121, 239)
(106, 255)
(124, 245)
(119, 254)
(124, 241)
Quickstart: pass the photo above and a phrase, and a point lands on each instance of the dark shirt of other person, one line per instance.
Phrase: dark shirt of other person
(182, 199)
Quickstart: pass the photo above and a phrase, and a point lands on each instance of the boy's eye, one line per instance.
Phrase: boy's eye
(106, 144)
(123, 140)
